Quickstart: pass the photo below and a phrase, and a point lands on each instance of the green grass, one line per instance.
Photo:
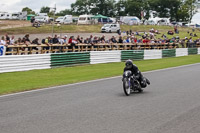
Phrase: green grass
(35, 79)
(85, 29)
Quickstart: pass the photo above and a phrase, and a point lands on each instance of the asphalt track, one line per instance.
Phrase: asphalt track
(171, 104)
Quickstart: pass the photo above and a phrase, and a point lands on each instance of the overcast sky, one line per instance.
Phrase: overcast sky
(17, 5)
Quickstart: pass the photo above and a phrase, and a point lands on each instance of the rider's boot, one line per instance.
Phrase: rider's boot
(148, 82)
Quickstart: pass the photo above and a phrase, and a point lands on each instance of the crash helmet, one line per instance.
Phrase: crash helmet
(129, 64)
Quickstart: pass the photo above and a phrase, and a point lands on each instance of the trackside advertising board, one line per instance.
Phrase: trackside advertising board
(2, 50)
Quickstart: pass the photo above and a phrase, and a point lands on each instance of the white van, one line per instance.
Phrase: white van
(67, 19)
(110, 28)
(42, 19)
(59, 19)
(85, 19)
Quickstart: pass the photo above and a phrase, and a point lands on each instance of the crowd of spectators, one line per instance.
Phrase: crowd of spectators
(129, 37)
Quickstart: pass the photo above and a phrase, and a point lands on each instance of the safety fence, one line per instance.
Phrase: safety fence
(69, 59)
(104, 56)
(62, 48)
(24, 62)
(45, 61)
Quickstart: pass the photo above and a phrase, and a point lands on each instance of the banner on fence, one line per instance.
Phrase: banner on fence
(2, 50)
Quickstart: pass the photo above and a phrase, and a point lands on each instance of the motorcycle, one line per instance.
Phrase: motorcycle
(130, 83)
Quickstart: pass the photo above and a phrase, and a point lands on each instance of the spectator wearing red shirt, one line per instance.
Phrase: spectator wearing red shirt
(70, 40)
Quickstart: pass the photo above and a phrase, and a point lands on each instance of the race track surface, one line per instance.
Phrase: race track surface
(171, 104)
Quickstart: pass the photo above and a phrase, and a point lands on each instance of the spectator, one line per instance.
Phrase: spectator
(78, 39)
(170, 32)
(74, 42)
(164, 36)
(86, 41)
(119, 32)
(55, 40)
(128, 40)
(3, 41)
(36, 41)
(90, 39)
(102, 39)
(193, 29)
(127, 33)
(48, 42)
(137, 33)
(81, 40)
(65, 39)
(120, 39)
(70, 40)
(113, 39)
(18, 41)
(95, 40)
(26, 39)
(12, 40)
(7, 38)
(32, 19)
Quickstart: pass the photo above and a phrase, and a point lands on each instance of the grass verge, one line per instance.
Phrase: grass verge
(35, 79)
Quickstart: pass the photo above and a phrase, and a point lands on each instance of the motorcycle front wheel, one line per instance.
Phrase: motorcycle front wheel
(127, 87)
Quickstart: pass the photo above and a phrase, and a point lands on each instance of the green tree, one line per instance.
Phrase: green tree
(104, 7)
(191, 6)
(81, 7)
(120, 8)
(29, 11)
(45, 9)
(135, 7)
(176, 10)
(64, 12)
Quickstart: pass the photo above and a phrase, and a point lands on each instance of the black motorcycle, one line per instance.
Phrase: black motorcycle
(130, 83)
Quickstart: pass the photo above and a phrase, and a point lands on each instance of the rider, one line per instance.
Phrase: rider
(135, 71)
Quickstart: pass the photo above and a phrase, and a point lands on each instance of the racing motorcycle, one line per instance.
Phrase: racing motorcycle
(128, 86)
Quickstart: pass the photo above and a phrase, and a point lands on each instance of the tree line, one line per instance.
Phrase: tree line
(176, 10)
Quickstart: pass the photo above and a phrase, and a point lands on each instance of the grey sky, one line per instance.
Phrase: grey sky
(35, 5)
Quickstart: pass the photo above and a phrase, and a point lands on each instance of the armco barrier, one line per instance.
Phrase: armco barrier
(192, 51)
(168, 53)
(181, 52)
(104, 56)
(152, 54)
(24, 62)
(132, 54)
(71, 58)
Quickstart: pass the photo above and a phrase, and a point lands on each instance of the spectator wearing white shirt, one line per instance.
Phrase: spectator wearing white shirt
(3, 41)
(12, 40)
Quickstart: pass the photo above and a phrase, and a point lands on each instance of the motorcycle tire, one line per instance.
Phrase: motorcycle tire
(126, 87)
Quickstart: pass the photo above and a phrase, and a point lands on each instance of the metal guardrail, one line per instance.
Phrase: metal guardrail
(59, 48)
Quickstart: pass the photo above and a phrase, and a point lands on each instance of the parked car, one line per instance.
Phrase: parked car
(59, 19)
(110, 28)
